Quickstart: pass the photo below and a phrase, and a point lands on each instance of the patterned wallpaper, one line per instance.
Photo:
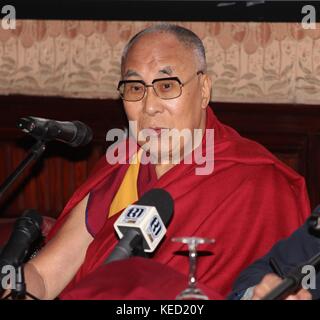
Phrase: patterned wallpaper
(248, 62)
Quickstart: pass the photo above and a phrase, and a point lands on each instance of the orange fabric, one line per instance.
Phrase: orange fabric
(127, 193)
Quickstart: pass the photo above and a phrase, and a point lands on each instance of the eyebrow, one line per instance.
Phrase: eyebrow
(166, 70)
(131, 73)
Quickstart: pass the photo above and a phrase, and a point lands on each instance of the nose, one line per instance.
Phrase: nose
(152, 103)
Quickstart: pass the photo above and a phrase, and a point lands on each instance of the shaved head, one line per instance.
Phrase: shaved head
(188, 38)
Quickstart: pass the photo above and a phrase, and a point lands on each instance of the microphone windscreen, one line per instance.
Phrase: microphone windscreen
(160, 199)
(83, 136)
(316, 211)
(314, 222)
(34, 216)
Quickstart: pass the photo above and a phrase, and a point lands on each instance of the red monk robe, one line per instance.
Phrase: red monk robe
(133, 279)
(250, 201)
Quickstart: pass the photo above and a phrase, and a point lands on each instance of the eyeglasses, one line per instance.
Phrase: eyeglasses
(164, 88)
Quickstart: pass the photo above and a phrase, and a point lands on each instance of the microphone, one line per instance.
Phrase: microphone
(314, 222)
(26, 230)
(73, 133)
(142, 225)
(292, 282)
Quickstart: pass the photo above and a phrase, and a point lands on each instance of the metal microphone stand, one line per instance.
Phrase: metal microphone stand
(19, 288)
(36, 151)
(292, 282)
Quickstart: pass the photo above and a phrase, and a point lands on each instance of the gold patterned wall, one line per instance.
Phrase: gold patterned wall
(248, 62)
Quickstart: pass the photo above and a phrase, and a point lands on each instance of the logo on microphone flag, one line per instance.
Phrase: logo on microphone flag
(133, 214)
(154, 229)
(146, 220)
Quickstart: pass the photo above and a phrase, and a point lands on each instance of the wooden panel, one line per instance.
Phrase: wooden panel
(50, 182)
(291, 132)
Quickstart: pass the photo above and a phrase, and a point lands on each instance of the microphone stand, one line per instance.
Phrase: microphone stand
(36, 151)
(19, 290)
(292, 282)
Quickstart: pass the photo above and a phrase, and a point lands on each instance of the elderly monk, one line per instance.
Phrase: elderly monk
(247, 203)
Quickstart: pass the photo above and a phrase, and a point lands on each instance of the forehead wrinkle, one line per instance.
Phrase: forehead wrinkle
(151, 47)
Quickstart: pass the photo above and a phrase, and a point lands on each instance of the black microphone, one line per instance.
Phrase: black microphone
(314, 222)
(292, 282)
(26, 230)
(74, 133)
(142, 225)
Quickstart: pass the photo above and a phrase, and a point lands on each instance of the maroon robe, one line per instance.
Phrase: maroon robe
(250, 201)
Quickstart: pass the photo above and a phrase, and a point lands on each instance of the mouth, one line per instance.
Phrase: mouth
(158, 130)
(155, 131)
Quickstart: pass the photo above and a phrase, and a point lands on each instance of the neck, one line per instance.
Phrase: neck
(161, 169)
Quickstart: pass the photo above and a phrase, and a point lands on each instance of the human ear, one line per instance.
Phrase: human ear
(206, 85)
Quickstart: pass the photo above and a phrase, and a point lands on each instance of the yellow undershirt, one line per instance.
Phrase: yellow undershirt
(128, 190)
